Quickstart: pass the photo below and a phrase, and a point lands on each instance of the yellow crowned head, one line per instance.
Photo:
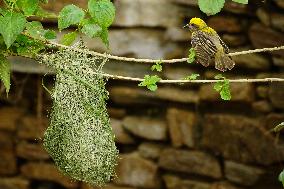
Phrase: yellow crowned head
(197, 22)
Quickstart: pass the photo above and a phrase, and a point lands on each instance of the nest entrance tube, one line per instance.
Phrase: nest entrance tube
(79, 137)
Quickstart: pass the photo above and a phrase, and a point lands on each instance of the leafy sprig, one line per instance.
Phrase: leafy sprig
(93, 22)
(100, 15)
(223, 87)
(150, 82)
(35, 30)
(157, 66)
(193, 76)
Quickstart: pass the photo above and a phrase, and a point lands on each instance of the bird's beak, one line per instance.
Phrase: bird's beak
(187, 25)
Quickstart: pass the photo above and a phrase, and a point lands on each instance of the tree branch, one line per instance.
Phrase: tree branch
(180, 81)
(171, 61)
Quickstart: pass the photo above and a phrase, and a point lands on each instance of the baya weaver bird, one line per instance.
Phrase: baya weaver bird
(208, 46)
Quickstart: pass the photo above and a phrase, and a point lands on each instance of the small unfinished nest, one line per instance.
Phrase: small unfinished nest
(79, 138)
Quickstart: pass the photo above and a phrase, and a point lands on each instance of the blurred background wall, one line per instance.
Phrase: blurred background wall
(179, 137)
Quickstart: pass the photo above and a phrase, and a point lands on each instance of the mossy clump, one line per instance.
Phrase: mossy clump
(79, 137)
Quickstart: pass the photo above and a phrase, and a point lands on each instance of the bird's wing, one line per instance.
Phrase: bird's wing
(204, 47)
(226, 48)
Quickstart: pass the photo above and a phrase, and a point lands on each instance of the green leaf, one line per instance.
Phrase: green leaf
(69, 38)
(191, 56)
(211, 7)
(34, 29)
(26, 46)
(3, 11)
(157, 66)
(281, 177)
(219, 76)
(104, 36)
(28, 6)
(150, 82)
(92, 30)
(2, 44)
(225, 92)
(192, 77)
(70, 15)
(44, 14)
(152, 87)
(5, 72)
(49, 34)
(14, 24)
(102, 11)
(223, 87)
(218, 86)
(241, 1)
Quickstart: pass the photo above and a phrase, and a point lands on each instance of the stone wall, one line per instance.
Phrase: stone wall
(179, 137)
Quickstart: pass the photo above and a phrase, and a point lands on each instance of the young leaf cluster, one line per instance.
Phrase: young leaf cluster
(13, 21)
(150, 82)
(94, 22)
(193, 76)
(157, 66)
(211, 7)
(223, 87)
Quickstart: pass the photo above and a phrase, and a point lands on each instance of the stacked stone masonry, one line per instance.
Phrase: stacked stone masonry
(179, 137)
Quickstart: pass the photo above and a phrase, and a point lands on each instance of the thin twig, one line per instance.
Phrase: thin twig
(197, 81)
(118, 77)
(120, 58)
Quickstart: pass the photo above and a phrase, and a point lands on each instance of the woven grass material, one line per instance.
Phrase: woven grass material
(79, 137)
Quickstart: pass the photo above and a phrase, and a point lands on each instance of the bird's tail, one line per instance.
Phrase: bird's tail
(223, 62)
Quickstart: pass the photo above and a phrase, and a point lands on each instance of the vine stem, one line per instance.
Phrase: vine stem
(120, 58)
(178, 81)
(197, 81)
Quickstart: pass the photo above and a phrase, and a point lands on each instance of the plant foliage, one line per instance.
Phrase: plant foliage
(5, 72)
(157, 66)
(28, 6)
(193, 76)
(150, 82)
(102, 11)
(223, 87)
(27, 38)
(14, 24)
(211, 7)
(35, 30)
(69, 38)
(70, 15)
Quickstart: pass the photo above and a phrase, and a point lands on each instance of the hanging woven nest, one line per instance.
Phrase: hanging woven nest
(79, 137)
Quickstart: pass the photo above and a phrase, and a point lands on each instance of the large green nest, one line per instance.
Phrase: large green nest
(79, 138)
